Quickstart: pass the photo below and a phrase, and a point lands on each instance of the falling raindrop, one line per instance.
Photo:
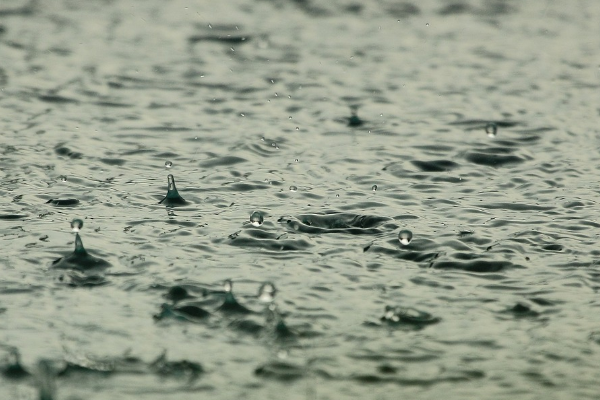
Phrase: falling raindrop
(76, 225)
(293, 188)
(256, 218)
(168, 164)
(266, 293)
(374, 188)
(491, 129)
(405, 236)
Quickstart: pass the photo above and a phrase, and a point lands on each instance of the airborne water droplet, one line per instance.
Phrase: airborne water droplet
(256, 218)
(168, 164)
(491, 129)
(405, 236)
(374, 188)
(76, 225)
(293, 188)
(266, 293)
(228, 285)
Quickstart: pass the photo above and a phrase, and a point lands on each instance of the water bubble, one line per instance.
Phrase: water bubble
(405, 236)
(491, 129)
(256, 218)
(374, 188)
(168, 164)
(293, 188)
(63, 178)
(76, 225)
(266, 293)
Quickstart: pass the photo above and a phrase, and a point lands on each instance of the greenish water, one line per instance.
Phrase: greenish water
(305, 140)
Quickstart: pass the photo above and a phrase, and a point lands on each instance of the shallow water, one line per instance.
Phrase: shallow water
(251, 103)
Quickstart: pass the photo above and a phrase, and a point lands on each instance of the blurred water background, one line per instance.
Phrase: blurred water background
(471, 124)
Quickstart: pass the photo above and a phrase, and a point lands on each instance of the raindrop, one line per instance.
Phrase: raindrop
(76, 225)
(374, 188)
(491, 129)
(168, 164)
(266, 293)
(63, 178)
(405, 236)
(256, 219)
(293, 188)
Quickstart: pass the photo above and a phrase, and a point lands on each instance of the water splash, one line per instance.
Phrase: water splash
(491, 129)
(80, 259)
(256, 218)
(266, 293)
(354, 121)
(172, 198)
(231, 305)
(76, 225)
(46, 380)
(168, 164)
(405, 236)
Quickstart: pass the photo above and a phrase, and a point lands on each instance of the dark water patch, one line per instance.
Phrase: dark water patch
(112, 104)
(338, 223)
(188, 312)
(435, 165)
(113, 161)
(8, 217)
(407, 318)
(455, 9)
(63, 202)
(521, 310)
(10, 363)
(184, 369)
(492, 160)
(78, 279)
(280, 371)
(481, 123)
(516, 207)
(479, 266)
(222, 161)
(66, 152)
(276, 245)
(402, 9)
(227, 39)
(56, 99)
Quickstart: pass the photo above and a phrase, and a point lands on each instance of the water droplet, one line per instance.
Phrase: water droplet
(491, 129)
(293, 188)
(63, 178)
(427, 24)
(296, 160)
(374, 188)
(168, 164)
(405, 236)
(266, 293)
(297, 128)
(290, 117)
(256, 219)
(76, 225)
(337, 195)
(228, 285)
